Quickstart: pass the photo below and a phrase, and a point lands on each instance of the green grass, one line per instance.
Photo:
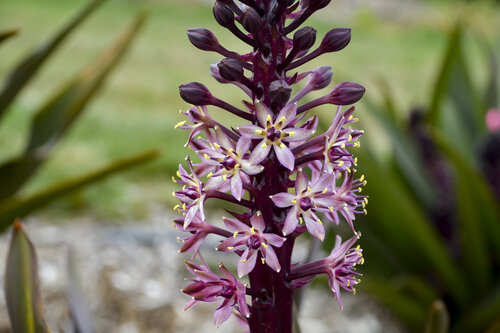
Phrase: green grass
(139, 107)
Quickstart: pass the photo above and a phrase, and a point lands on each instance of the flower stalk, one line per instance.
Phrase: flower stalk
(282, 177)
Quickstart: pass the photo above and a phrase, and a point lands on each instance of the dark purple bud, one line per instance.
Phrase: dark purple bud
(195, 93)
(279, 91)
(230, 69)
(223, 15)
(320, 77)
(203, 39)
(304, 38)
(251, 20)
(346, 93)
(335, 40)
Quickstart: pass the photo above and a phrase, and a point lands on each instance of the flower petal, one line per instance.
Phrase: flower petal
(283, 199)
(297, 134)
(250, 131)
(271, 259)
(260, 153)
(236, 186)
(251, 169)
(223, 313)
(247, 262)
(257, 222)
(289, 112)
(235, 225)
(285, 156)
(301, 182)
(314, 225)
(274, 240)
(291, 221)
(242, 146)
(262, 112)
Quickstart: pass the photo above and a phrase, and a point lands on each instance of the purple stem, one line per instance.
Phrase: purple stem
(304, 59)
(229, 198)
(234, 110)
(313, 104)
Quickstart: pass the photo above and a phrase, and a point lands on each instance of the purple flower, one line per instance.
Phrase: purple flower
(308, 198)
(230, 162)
(253, 240)
(210, 287)
(339, 266)
(274, 133)
(201, 119)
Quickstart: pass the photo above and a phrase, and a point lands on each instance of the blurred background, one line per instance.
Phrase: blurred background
(431, 158)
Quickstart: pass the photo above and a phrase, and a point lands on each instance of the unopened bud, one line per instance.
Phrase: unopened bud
(279, 91)
(346, 93)
(304, 38)
(195, 93)
(320, 77)
(315, 5)
(230, 69)
(335, 40)
(251, 20)
(203, 39)
(223, 15)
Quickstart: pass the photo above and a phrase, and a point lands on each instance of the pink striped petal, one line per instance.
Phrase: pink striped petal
(285, 156)
(271, 260)
(247, 262)
(291, 221)
(289, 112)
(260, 153)
(262, 112)
(283, 199)
(250, 131)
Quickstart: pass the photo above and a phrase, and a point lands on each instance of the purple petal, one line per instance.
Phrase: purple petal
(235, 225)
(297, 134)
(222, 313)
(271, 259)
(250, 131)
(236, 186)
(242, 146)
(227, 274)
(190, 215)
(257, 222)
(262, 113)
(193, 242)
(251, 169)
(285, 156)
(274, 240)
(291, 221)
(246, 262)
(283, 199)
(260, 153)
(223, 139)
(240, 296)
(288, 112)
(230, 244)
(301, 182)
(314, 226)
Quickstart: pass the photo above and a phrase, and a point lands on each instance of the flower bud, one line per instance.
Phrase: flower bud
(279, 91)
(315, 5)
(251, 20)
(223, 15)
(335, 40)
(346, 93)
(203, 39)
(320, 77)
(195, 93)
(304, 38)
(230, 69)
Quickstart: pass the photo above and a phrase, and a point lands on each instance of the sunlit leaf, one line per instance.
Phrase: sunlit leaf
(438, 319)
(6, 34)
(60, 112)
(21, 206)
(21, 285)
(30, 65)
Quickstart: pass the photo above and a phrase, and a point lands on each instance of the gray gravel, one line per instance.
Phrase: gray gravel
(132, 275)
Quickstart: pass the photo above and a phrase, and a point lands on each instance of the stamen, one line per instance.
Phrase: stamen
(235, 233)
(325, 190)
(264, 245)
(180, 123)
(263, 260)
(252, 230)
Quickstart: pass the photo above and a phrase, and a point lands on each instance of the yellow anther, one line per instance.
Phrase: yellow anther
(341, 163)
(366, 200)
(308, 189)
(252, 230)
(174, 180)
(176, 207)
(355, 120)
(182, 112)
(180, 123)
(365, 182)
(348, 283)
(365, 211)
(230, 247)
(207, 157)
(319, 221)
(294, 201)
(354, 291)
(173, 193)
(210, 174)
(362, 262)
(260, 132)
(230, 151)
(363, 204)
(343, 146)
(243, 260)
(301, 220)
(178, 174)
(348, 170)
(355, 160)
(282, 145)
(264, 145)
(350, 118)
(356, 144)
(216, 145)
(269, 119)
(357, 248)
(331, 208)
(224, 177)
(265, 245)
(263, 260)
(178, 239)
(360, 189)
(325, 190)
(235, 233)
(362, 178)
(282, 120)
(349, 138)
(184, 206)
(291, 133)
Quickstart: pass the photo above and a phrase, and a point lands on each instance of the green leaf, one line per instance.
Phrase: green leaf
(479, 215)
(60, 112)
(6, 34)
(438, 319)
(21, 285)
(22, 206)
(491, 95)
(28, 67)
(400, 222)
(80, 312)
(455, 106)
(407, 308)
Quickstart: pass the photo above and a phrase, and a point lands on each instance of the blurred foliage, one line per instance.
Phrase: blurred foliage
(433, 221)
(54, 118)
(22, 291)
